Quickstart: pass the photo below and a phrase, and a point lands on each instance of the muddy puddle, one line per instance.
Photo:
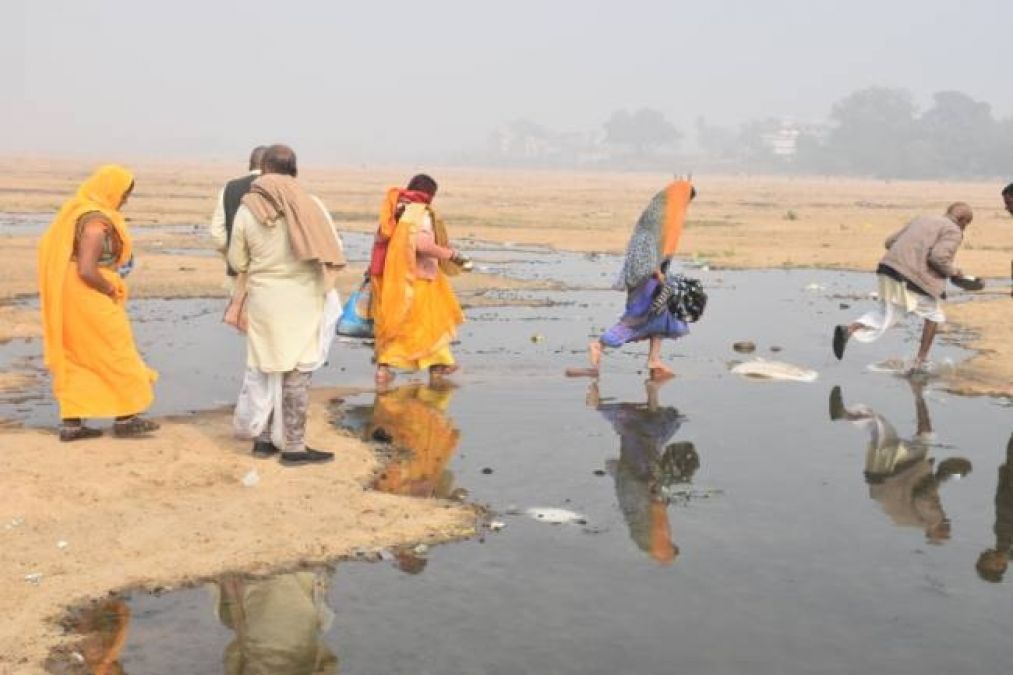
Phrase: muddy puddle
(713, 524)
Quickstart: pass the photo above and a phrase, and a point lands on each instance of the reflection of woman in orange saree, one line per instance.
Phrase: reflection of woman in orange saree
(415, 418)
(105, 629)
(89, 346)
(415, 311)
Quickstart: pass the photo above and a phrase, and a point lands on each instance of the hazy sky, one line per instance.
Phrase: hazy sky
(384, 81)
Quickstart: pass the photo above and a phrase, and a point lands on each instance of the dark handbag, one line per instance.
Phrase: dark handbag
(682, 297)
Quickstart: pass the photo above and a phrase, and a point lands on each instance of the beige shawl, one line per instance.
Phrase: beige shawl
(274, 196)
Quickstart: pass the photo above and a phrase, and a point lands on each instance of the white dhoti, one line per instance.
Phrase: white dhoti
(896, 301)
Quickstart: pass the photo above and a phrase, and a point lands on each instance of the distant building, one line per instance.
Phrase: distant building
(783, 142)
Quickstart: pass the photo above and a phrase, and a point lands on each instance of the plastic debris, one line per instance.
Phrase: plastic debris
(555, 516)
(34, 578)
(251, 478)
(421, 549)
(17, 522)
(496, 525)
(775, 370)
(62, 544)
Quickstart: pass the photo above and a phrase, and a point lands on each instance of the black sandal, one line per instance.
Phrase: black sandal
(133, 426)
(77, 432)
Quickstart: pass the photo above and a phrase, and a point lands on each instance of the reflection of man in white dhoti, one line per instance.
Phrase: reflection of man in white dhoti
(901, 476)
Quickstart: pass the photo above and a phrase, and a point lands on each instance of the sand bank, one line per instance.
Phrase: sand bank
(108, 514)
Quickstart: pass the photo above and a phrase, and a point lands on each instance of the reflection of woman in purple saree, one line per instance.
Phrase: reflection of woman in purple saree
(654, 241)
(647, 463)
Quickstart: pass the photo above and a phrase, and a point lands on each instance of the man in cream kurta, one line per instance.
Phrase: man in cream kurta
(285, 308)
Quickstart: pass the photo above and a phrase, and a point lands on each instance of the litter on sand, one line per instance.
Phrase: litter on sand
(762, 369)
(556, 516)
(251, 478)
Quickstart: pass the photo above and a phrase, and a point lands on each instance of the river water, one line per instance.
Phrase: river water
(720, 525)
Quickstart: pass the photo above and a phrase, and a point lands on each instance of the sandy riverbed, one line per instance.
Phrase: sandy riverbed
(171, 509)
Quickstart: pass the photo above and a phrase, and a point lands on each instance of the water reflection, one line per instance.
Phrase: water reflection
(901, 476)
(992, 563)
(278, 624)
(647, 467)
(413, 419)
(104, 626)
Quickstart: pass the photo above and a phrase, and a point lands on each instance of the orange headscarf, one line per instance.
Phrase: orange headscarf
(677, 197)
(656, 235)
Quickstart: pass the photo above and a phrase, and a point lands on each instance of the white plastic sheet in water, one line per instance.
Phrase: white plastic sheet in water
(762, 369)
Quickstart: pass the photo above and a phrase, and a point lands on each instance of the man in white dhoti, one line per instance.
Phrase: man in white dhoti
(912, 279)
(286, 252)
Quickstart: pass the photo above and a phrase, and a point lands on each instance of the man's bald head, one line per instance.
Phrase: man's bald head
(960, 213)
(280, 159)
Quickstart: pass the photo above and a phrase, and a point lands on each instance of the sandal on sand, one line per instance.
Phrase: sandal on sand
(133, 426)
(77, 432)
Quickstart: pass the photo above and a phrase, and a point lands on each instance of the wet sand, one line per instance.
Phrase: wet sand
(172, 509)
(737, 223)
(790, 559)
(990, 371)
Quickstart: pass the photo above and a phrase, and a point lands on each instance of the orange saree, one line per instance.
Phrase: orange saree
(88, 343)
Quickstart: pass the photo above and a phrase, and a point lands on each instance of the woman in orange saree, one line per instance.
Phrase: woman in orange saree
(88, 343)
(415, 313)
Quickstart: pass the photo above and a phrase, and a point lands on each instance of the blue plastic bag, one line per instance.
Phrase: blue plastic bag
(354, 320)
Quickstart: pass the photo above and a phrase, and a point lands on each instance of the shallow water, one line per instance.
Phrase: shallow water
(760, 548)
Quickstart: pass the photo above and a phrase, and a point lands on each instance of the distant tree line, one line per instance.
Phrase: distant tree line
(878, 131)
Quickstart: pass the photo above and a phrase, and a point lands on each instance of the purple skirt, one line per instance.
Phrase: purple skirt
(638, 323)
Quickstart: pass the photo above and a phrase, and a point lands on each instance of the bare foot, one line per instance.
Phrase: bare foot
(594, 354)
(437, 373)
(659, 371)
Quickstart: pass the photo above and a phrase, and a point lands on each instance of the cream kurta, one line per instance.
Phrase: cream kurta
(286, 297)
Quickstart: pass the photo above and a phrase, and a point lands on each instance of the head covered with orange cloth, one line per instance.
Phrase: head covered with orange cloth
(88, 344)
(656, 236)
